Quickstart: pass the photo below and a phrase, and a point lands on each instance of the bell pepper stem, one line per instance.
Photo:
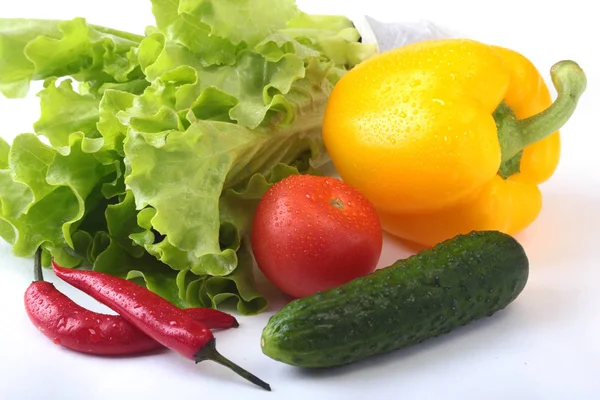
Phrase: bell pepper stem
(514, 135)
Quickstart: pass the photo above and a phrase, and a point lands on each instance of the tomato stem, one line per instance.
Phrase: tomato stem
(337, 203)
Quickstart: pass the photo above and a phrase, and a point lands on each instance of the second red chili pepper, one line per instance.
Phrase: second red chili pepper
(154, 316)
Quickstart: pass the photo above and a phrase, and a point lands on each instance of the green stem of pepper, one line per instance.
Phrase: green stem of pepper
(515, 135)
(209, 352)
(38, 275)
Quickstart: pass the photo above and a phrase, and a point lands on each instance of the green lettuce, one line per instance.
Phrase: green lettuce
(152, 151)
(65, 111)
(38, 49)
(4, 149)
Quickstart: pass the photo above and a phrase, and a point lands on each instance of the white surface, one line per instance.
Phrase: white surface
(544, 346)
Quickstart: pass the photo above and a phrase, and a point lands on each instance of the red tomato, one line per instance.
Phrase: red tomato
(311, 233)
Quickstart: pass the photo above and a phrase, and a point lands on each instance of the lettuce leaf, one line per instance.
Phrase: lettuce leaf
(241, 20)
(331, 35)
(65, 111)
(44, 199)
(4, 149)
(151, 152)
(216, 30)
(39, 49)
(187, 29)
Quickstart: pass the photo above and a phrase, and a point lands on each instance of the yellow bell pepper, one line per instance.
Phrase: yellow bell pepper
(450, 136)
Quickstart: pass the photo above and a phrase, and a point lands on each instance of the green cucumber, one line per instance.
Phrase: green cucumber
(458, 281)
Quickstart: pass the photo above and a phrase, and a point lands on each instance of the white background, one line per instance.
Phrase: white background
(544, 346)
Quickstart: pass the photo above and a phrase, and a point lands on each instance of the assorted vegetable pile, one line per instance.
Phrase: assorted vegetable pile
(169, 163)
(151, 153)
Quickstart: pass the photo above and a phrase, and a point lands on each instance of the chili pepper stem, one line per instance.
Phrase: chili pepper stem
(514, 135)
(209, 352)
(38, 276)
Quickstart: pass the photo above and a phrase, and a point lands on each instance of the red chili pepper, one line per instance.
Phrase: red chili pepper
(154, 316)
(68, 324)
(213, 319)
